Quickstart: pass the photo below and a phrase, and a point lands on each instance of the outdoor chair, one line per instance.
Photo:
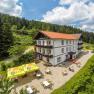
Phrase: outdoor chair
(48, 71)
(16, 80)
(78, 65)
(71, 69)
(47, 64)
(24, 76)
(35, 90)
(65, 73)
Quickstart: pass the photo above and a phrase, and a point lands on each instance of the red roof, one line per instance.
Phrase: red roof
(56, 35)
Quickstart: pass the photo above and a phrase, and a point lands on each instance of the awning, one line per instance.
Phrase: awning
(30, 67)
(21, 70)
(15, 72)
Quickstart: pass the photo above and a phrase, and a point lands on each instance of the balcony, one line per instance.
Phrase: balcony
(46, 55)
(80, 43)
(80, 48)
(45, 46)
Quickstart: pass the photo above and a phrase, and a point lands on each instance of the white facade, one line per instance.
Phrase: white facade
(58, 49)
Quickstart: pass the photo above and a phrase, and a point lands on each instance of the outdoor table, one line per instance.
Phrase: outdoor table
(46, 83)
(47, 71)
(29, 90)
(71, 69)
(38, 75)
(78, 65)
(65, 72)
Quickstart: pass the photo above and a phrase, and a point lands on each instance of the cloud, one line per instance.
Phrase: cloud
(88, 28)
(66, 2)
(11, 7)
(79, 12)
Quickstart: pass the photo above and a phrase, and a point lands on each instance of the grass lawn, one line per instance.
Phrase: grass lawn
(88, 46)
(81, 83)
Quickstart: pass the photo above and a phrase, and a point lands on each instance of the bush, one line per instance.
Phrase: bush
(4, 66)
(25, 58)
(16, 50)
(23, 91)
(87, 47)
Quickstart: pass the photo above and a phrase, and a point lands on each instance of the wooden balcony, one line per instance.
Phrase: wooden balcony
(80, 48)
(46, 55)
(44, 46)
(81, 43)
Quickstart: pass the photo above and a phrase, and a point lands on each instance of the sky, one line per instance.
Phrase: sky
(77, 13)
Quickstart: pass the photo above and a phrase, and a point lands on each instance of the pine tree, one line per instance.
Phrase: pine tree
(6, 39)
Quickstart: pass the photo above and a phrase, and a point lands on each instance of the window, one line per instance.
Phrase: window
(62, 50)
(62, 42)
(39, 42)
(73, 41)
(43, 42)
(59, 59)
(70, 42)
(40, 50)
(43, 51)
(73, 47)
(66, 49)
(49, 51)
(69, 48)
(66, 41)
(48, 42)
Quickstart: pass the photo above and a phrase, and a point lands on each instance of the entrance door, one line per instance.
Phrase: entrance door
(71, 56)
(67, 57)
(40, 57)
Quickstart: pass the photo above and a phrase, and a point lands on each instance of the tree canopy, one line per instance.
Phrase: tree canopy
(22, 23)
(6, 39)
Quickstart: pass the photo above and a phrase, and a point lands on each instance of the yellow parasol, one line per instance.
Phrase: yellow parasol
(31, 67)
(15, 72)
(21, 70)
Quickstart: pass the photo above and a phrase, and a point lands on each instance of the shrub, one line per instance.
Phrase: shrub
(3, 66)
(87, 47)
(25, 58)
(16, 50)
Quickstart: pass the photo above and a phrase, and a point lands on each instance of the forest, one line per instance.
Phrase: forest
(16, 33)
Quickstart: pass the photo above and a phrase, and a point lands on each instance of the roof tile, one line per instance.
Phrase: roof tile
(56, 35)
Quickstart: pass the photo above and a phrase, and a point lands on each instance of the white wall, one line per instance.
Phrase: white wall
(58, 51)
(45, 41)
(63, 58)
(58, 43)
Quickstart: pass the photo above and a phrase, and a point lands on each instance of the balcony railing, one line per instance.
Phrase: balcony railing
(46, 55)
(80, 43)
(80, 48)
(45, 46)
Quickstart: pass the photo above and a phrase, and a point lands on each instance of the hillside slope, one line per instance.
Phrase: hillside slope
(22, 22)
